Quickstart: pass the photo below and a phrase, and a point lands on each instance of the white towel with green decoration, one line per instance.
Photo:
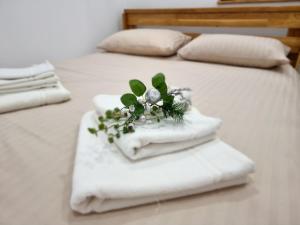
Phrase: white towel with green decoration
(164, 137)
(104, 180)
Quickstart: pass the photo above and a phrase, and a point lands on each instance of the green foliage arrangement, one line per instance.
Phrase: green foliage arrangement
(141, 106)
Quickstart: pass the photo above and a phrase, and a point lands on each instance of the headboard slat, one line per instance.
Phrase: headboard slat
(200, 22)
(264, 17)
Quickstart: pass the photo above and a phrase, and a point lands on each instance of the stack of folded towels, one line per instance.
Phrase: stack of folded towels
(30, 87)
(128, 173)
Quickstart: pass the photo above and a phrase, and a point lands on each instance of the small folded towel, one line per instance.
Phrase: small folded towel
(28, 99)
(105, 180)
(161, 138)
(25, 84)
(10, 73)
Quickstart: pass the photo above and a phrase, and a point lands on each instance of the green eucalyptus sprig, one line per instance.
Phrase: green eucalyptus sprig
(140, 106)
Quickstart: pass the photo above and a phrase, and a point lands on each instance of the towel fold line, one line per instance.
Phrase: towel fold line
(51, 81)
(33, 98)
(17, 73)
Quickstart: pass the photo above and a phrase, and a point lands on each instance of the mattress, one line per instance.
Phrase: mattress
(260, 110)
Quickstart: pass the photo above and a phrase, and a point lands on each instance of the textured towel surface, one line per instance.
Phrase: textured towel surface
(160, 138)
(28, 99)
(104, 179)
(51, 84)
(5, 83)
(43, 80)
(10, 73)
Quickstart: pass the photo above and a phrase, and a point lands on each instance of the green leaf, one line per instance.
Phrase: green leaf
(168, 100)
(101, 126)
(92, 130)
(130, 129)
(125, 130)
(139, 109)
(158, 80)
(163, 90)
(116, 115)
(129, 99)
(155, 108)
(109, 114)
(116, 110)
(110, 140)
(137, 87)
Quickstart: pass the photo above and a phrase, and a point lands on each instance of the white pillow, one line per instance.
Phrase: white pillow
(151, 42)
(238, 50)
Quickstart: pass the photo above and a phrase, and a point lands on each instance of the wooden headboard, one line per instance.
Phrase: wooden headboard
(268, 17)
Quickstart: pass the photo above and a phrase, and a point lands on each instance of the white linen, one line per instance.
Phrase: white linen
(104, 179)
(4, 83)
(29, 99)
(25, 89)
(161, 138)
(12, 73)
(36, 82)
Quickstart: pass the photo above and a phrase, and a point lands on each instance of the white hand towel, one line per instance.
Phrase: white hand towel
(10, 73)
(12, 86)
(39, 97)
(104, 179)
(160, 138)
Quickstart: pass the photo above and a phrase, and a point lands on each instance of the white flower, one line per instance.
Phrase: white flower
(160, 103)
(141, 100)
(143, 119)
(147, 107)
(187, 95)
(131, 108)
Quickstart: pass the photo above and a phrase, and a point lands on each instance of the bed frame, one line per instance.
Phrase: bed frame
(268, 17)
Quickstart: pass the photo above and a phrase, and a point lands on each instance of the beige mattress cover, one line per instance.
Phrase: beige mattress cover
(260, 110)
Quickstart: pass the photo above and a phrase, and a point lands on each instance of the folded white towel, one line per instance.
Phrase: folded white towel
(104, 179)
(43, 96)
(4, 83)
(31, 83)
(25, 89)
(160, 138)
(10, 73)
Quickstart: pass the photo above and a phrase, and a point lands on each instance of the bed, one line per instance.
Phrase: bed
(260, 110)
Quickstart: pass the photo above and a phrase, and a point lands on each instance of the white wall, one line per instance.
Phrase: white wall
(188, 3)
(169, 3)
(34, 30)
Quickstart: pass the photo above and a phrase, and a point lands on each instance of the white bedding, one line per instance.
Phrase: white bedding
(260, 112)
